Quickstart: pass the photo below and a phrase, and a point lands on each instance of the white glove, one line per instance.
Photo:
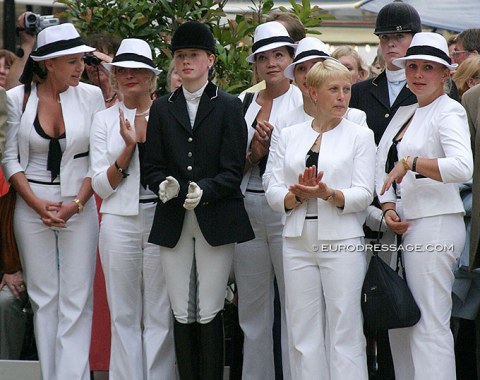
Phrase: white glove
(168, 189)
(193, 197)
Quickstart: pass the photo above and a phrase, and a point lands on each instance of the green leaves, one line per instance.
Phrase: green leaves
(156, 20)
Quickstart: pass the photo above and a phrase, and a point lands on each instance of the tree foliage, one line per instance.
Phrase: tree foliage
(156, 20)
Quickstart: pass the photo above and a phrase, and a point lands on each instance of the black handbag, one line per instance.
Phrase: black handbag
(387, 302)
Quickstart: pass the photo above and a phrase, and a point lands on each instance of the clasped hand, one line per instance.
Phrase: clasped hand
(310, 185)
(55, 214)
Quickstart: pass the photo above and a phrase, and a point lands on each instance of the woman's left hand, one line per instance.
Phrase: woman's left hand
(395, 175)
(126, 131)
(66, 211)
(310, 185)
(14, 282)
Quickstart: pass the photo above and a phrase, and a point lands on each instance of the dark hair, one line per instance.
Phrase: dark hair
(105, 43)
(470, 39)
(290, 21)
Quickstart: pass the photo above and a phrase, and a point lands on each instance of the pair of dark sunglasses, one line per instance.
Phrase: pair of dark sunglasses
(91, 60)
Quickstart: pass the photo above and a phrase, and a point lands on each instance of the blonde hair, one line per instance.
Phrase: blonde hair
(347, 50)
(114, 83)
(326, 70)
(469, 69)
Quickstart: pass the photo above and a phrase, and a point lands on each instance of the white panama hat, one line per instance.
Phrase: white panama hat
(427, 46)
(308, 48)
(57, 41)
(268, 36)
(135, 54)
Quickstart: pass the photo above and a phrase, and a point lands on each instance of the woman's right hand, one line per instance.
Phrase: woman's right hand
(394, 222)
(48, 212)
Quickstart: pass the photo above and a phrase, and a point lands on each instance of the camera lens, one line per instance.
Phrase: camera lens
(91, 60)
(31, 18)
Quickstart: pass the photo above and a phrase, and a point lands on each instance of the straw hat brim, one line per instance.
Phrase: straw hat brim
(401, 62)
(274, 45)
(289, 72)
(131, 65)
(61, 53)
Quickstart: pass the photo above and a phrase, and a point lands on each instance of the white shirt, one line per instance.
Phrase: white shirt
(193, 101)
(396, 80)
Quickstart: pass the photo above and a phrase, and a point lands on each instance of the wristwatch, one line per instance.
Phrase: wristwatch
(122, 171)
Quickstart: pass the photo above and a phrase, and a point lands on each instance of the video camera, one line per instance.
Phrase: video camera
(34, 23)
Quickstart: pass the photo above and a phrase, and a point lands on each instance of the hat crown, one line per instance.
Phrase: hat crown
(434, 40)
(193, 35)
(311, 44)
(56, 33)
(134, 46)
(268, 30)
(398, 17)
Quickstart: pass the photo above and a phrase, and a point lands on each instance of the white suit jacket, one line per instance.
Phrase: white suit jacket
(438, 130)
(106, 145)
(284, 103)
(298, 116)
(347, 157)
(79, 105)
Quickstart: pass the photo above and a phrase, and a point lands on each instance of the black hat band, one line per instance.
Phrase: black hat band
(133, 57)
(267, 41)
(428, 50)
(56, 46)
(308, 53)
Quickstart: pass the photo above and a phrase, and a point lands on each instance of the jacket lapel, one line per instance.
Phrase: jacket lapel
(380, 91)
(206, 105)
(402, 96)
(178, 108)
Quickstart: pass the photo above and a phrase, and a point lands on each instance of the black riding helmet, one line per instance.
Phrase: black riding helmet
(398, 17)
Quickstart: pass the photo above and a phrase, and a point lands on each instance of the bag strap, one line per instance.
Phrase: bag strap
(398, 238)
(247, 100)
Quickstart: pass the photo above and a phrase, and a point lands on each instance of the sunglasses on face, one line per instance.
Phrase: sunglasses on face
(91, 60)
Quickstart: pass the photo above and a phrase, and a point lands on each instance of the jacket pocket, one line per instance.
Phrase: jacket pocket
(80, 155)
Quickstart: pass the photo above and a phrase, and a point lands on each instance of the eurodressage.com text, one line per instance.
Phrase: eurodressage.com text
(439, 248)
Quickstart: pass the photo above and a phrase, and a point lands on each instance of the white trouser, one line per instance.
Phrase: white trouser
(59, 267)
(141, 319)
(256, 262)
(323, 283)
(425, 351)
(197, 274)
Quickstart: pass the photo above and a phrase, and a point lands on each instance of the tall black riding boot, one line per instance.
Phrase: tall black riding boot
(187, 350)
(212, 349)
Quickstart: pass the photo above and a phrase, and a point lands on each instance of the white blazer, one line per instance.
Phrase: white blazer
(284, 103)
(347, 157)
(106, 145)
(79, 105)
(298, 116)
(438, 130)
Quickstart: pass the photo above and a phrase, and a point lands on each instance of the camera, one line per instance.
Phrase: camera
(91, 60)
(34, 23)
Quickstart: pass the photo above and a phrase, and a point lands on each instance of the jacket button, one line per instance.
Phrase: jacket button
(189, 168)
(190, 139)
(189, 154)
(387, 115)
